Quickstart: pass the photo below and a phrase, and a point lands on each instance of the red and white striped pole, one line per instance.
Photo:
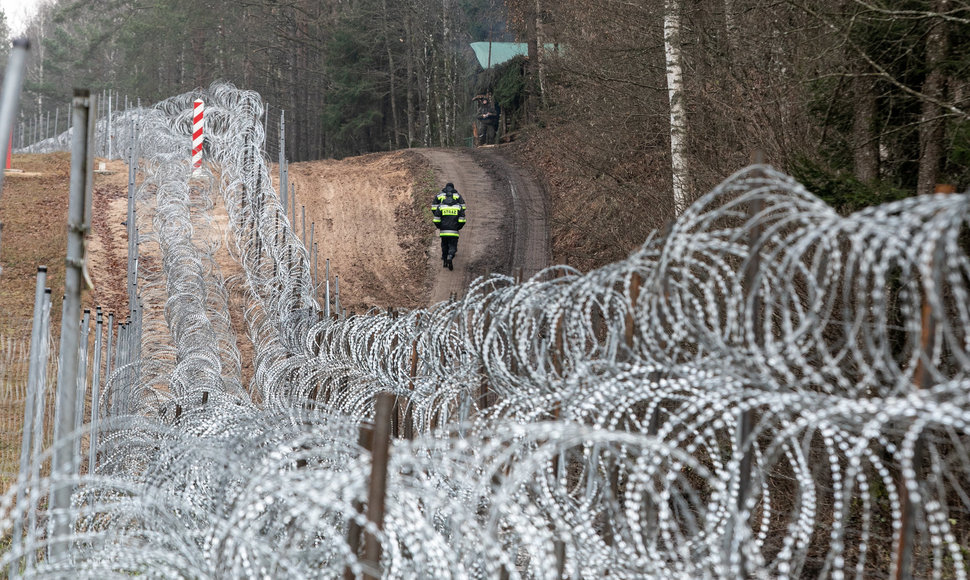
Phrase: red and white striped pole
(197, 137)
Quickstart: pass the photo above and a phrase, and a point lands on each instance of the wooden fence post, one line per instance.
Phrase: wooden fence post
(921, 379)
(378, 476)
(749, 284)
(560, 550)
(635, 282)
(365, 440)
(408, 411)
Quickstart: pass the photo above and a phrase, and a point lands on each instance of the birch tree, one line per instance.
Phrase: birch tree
(675, 94)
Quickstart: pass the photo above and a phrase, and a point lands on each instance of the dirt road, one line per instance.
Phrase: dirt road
(506, 228)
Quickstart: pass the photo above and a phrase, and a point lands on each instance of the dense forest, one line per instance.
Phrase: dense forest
(630, 109)
(353, 77)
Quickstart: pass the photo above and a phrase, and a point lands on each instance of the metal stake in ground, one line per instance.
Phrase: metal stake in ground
(282, 162)
(39, 362)
(108, 359)
(95, 391)
(29, 402)
(10, 96)
(82, 380)
(63, 462)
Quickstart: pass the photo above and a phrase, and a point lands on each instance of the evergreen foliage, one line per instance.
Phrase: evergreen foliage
(352, 102)
(4, 33)
(509, 89)
(897, 47)
(865, 100)
(842, 190)
(353, 77)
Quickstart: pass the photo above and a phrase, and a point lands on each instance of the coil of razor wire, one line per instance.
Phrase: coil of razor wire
(768, 389)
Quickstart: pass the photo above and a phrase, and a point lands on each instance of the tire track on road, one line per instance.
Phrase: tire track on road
(506, 227)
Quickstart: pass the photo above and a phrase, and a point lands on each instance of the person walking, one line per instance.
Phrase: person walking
(448, 215)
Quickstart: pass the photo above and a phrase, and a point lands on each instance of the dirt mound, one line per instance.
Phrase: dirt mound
(367, 216)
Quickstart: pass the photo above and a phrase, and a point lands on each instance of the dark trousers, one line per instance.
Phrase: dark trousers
(449, 247)
(487, 131)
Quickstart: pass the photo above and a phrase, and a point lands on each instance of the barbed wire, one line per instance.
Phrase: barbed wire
(768, 389)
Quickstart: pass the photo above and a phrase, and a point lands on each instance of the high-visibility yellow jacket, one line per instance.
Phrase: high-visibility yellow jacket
(448, 211)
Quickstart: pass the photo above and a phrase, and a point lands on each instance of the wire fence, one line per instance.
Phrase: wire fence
(50, 130)
(767, 390)
(13, 393)
(14, 361)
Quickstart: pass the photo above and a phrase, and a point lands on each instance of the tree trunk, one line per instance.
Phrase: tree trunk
(391, 78)
(531, 68)
(411, 79)
(445, 84)
(198, 53)
(678, 114)
(931, 132)
(540, 64)
(731, 29)
(428, 68)
(865, 143)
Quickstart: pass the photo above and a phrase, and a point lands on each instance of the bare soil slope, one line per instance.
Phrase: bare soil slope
(366, 219)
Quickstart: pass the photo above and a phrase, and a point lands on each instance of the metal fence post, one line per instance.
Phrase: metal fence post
(409, 408)
(63, 462)
(122, 361)
(282, 162)
(10, 95)
(265, 128)
(745, 426)
(82, 382)
(108, 127)
(326, 292)
(29, 412)
(628, 331)
(336, 293)
(132, 272)
(108, 358)
(40, 362)
(119, 362)
(95, 391)
(292, 189)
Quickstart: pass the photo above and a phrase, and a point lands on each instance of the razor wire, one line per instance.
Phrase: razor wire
(572, 425)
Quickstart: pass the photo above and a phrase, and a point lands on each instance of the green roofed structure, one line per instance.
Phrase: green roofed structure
(490, 54)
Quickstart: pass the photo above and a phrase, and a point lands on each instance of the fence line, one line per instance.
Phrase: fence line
(571, 424)
(14, 359)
